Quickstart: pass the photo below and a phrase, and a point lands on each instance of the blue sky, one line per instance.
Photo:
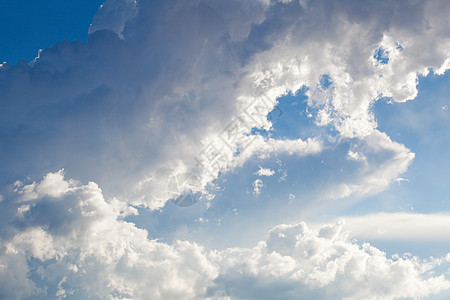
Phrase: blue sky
(28, 26)
(313, 136)
(422, 125)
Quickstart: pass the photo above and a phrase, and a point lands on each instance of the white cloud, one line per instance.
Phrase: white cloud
(381, 162)
(14, 276)
(146, 109)
(21, 210)
(87, 246)
(141, 100)
(80, 242)
(356, 156)
(400, 226)
(296, 260)
(264, 172)
(257, 186)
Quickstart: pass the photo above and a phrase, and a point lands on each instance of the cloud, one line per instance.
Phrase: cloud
(14, 277)
(156, 83)
(323, 263)
(257, 186)
(136, 112)
(162, 89)
(381, 161)
(113, 15)
(81, 242)
(264, 172)
(400, 226)
(77, 242)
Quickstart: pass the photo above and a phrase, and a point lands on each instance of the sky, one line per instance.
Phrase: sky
(196, 149)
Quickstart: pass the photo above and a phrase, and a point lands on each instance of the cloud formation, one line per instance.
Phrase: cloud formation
(72, 241)
(133, 105)
(76, 238)
(164, 88)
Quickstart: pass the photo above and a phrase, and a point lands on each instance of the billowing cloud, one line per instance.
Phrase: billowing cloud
(296, 260)
(81, 241)
(72, 241)
(164, 89)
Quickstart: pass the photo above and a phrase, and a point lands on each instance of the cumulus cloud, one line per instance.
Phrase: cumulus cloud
(78, 242)
(296, 260)
(185, 87)
(156, 83)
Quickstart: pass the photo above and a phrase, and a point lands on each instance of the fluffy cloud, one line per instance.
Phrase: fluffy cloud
(156, 83)
(73, 241)
(79, 240)
(325, 263)
(165, 88)
(264, 172)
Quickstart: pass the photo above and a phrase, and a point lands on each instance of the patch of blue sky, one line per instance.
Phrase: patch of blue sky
(382, 55)
(325, 81)
(422, 126)
(34, 25)
(294, 119)
(238, 216)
